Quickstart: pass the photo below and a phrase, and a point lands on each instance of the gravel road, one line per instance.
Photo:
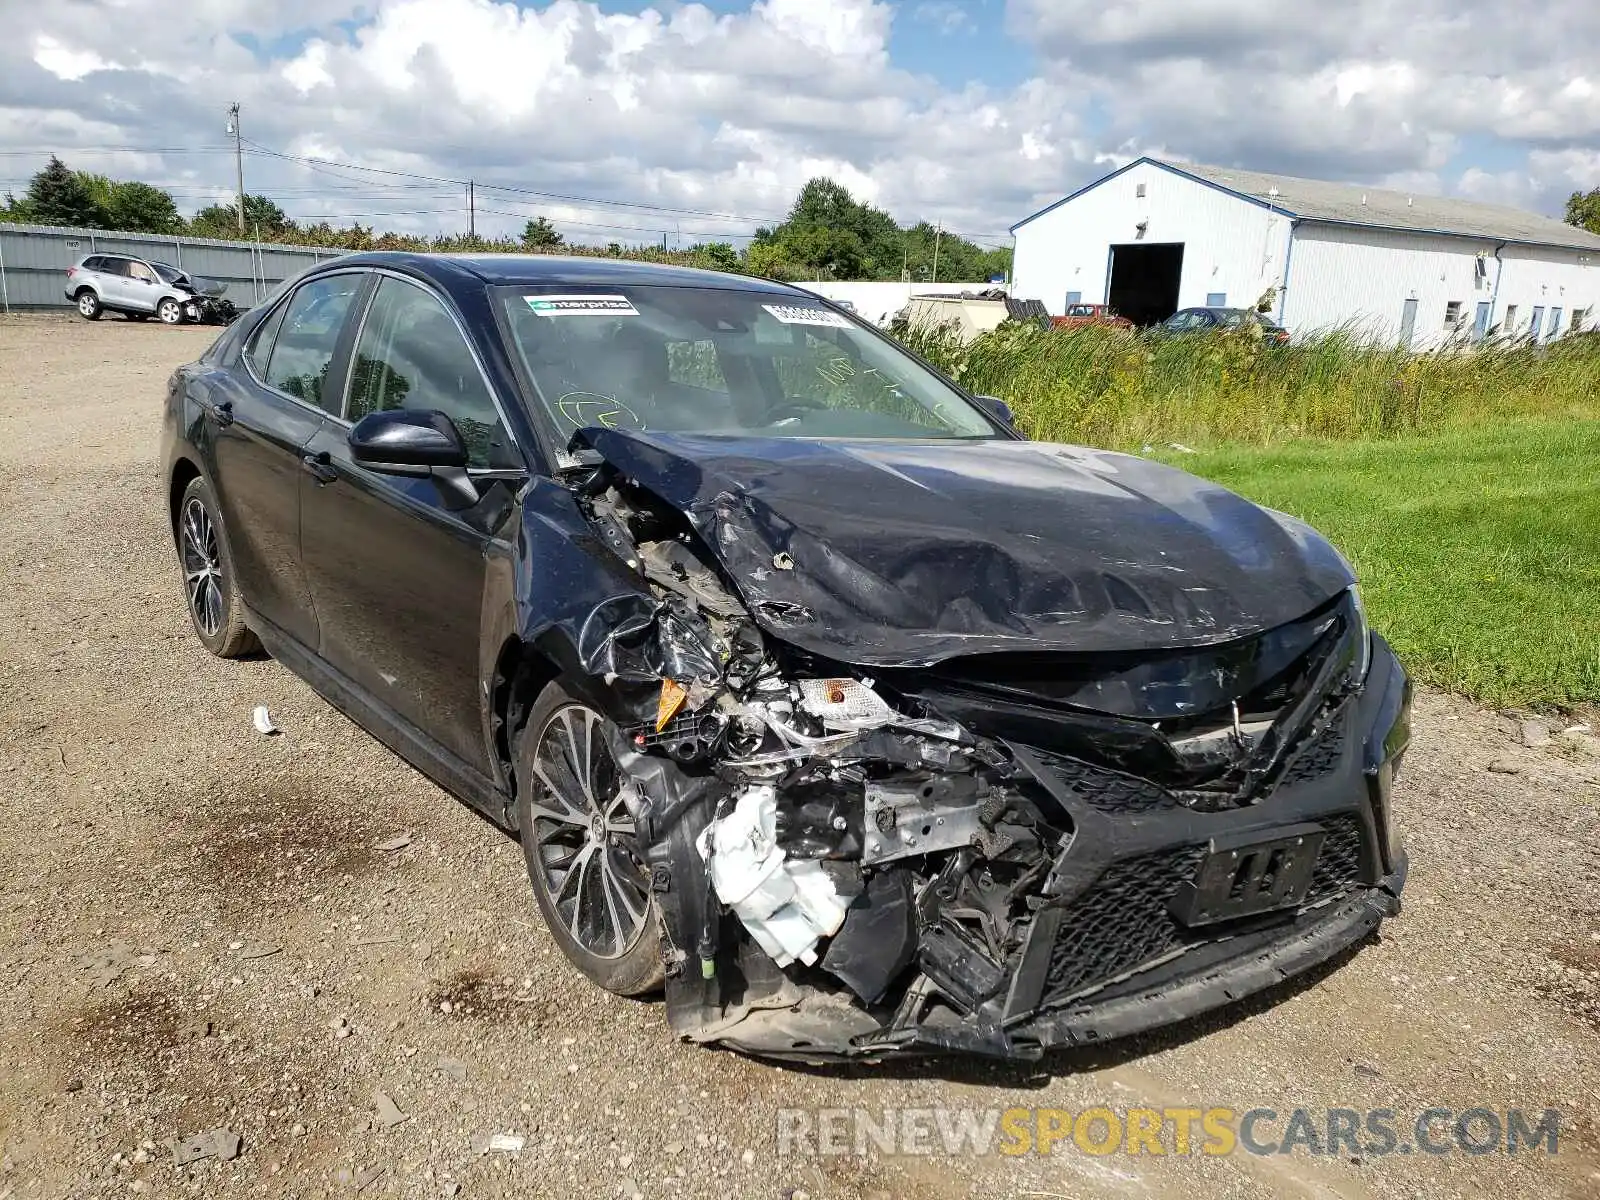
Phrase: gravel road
(205, 928)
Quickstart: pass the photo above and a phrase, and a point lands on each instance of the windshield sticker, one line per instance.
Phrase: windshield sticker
(801, 314)
(582, 306)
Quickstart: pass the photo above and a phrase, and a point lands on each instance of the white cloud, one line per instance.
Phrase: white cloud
(64, 62)
(729, 112)
(679, 106)
(1359, 89)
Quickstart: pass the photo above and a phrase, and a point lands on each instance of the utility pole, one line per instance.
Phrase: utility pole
(938, 236)
(472, 209)
(238, 157)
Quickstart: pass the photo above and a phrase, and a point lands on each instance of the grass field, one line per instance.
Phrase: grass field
(1478, 549)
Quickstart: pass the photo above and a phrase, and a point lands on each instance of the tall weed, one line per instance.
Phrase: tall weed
(1110, 387)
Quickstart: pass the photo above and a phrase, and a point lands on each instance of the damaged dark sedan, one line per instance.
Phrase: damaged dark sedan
(816, 694)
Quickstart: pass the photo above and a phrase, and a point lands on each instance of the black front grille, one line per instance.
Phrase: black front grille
(1111, 791)
(1122, 922)
(1318, 758)
(1339, 861)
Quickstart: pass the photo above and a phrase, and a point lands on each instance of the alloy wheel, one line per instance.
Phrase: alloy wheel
(86, 304)
(586, 853)
(202, 567)
(170, 312)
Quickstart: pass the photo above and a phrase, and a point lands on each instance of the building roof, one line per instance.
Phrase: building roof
(1379, 208)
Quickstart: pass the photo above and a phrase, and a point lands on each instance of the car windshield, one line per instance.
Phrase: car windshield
(724, 361)
(168, 274)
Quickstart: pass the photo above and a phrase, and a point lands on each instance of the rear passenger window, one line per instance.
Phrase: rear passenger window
(305, 342)
(412, 355)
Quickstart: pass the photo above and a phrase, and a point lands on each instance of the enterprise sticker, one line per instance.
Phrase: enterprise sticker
(802, 314)
(582, 306)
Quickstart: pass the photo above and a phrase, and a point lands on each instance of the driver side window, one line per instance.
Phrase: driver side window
(413, 355)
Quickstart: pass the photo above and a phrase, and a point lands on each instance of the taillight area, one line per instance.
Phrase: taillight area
(71, 271)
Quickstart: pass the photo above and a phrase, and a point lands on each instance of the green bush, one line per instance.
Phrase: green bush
(1110, 387)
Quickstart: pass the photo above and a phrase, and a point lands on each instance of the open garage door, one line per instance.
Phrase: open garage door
(1144, 281)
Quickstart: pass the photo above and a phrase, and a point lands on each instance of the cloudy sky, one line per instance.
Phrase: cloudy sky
(700, 120)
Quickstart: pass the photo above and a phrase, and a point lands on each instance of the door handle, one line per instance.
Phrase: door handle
(320, 467)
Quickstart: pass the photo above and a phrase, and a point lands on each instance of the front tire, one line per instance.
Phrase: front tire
(89, 306)
(210, 587)
(170, 312)
(589, 876)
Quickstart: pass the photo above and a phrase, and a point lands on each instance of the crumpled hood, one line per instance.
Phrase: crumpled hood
(201, 286)
(904, 553)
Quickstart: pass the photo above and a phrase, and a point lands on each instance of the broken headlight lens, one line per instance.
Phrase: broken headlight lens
(844, 703)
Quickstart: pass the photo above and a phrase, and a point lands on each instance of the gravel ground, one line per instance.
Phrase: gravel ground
(203, 928)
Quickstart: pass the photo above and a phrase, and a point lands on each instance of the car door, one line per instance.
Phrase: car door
(143, 286)
(263, 413)
(397, 575)
(115, 286)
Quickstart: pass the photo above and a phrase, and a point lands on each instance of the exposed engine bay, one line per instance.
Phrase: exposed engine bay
(993, 852)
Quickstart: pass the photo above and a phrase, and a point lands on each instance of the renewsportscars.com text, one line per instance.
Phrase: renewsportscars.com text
(1136, 1131)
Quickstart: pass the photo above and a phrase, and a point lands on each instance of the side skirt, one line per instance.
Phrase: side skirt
(456, 776)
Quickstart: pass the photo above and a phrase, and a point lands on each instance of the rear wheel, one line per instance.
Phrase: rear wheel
(589, 875)
(89, 305)
(170, 312)
(208, 580)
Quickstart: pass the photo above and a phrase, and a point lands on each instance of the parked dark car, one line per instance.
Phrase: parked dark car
(812, 690)
(141, 288)
(1202, 320)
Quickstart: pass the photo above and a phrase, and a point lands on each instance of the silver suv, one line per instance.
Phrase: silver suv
(140, 289)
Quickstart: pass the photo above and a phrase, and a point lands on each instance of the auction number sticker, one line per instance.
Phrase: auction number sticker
(802, 314)
(582, 306)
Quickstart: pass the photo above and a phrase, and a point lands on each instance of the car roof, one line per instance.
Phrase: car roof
(561, 270)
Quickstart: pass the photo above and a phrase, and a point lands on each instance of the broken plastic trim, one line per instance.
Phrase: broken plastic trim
(855, 864)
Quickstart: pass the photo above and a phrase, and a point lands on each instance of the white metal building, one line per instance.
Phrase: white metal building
(1157, 236)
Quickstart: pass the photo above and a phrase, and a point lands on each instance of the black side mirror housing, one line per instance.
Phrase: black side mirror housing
(416, 442)
(998, 408)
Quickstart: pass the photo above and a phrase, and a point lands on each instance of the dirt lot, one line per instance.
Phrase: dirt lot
(201, 927)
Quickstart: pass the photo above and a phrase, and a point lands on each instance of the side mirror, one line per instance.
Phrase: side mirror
(998, 408)
(415, 442)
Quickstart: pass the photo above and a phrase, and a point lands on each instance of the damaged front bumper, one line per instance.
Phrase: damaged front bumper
(1137, 913)
(994, 854)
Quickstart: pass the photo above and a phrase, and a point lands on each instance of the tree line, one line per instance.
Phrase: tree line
(828, 234)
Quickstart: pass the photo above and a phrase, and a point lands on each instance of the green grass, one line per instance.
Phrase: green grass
(1478, 549)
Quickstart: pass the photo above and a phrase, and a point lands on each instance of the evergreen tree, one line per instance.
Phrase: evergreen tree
(57, 195)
